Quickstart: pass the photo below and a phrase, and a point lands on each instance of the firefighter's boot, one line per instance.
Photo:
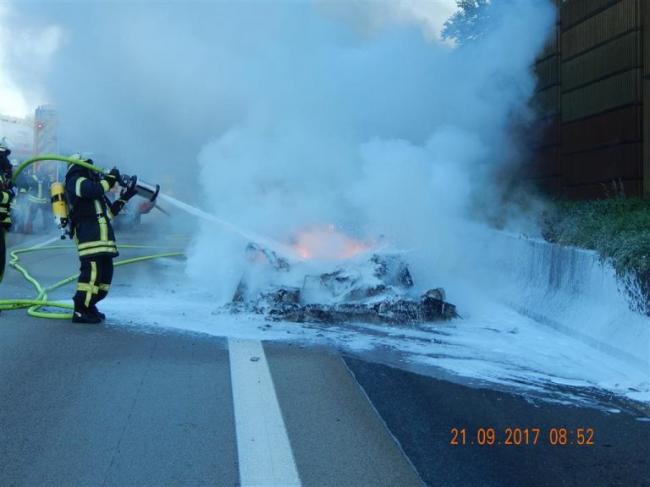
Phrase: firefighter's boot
(85, 315)
(93, 310)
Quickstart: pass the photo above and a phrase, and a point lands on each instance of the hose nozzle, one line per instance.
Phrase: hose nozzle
(146, 190)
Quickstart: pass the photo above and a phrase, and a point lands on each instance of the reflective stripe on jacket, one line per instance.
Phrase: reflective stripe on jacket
(5, 205)
(90, 213)
(36, 192)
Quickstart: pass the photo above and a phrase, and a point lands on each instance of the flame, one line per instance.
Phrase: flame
(327, 243)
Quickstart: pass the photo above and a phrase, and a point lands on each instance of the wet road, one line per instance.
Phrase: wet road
(421, 412)
(120, 405)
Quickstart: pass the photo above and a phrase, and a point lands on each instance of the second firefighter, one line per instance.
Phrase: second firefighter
(91, 213)
(6, 195)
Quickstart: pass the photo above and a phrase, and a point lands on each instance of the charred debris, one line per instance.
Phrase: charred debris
(377, 288)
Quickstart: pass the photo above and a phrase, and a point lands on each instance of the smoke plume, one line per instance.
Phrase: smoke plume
(281, 116)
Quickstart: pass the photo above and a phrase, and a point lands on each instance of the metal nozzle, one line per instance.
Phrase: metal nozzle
(146, 190)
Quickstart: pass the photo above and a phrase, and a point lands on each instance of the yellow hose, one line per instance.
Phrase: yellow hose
(41, 301)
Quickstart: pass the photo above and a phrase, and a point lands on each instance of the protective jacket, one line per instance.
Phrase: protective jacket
(6, 195)
(6, 191)
(91, 212)
(37, 189)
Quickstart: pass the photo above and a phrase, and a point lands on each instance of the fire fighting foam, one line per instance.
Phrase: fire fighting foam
(563, 339)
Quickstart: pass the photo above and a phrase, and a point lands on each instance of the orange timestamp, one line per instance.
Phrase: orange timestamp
(514, 436)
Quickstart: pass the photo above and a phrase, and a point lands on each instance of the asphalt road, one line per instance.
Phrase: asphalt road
(118, 405)
(108, 406)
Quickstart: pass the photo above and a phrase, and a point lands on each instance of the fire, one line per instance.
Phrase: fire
(327, 243)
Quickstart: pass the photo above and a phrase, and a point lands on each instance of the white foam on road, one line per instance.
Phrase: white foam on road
(265, 455)
(494, 342)
(496, 345)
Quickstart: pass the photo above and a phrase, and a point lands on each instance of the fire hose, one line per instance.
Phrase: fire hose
(41, 301)
(53, 157)
(35, 305)
(149, 191)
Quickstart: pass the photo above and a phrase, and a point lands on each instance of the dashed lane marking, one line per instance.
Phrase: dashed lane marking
(265, 455)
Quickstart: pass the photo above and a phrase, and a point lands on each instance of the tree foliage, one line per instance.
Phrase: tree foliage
(469, 23)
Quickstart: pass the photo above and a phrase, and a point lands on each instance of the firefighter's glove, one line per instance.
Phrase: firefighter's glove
(113, 177)
(130, 191)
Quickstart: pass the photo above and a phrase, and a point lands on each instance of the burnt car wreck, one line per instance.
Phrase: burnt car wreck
(375, 288)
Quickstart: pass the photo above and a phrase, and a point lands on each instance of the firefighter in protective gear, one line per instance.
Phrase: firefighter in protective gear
(38, 201)
(90, 219)
(6, 196)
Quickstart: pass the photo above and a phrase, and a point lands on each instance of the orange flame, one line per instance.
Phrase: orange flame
(327, 243)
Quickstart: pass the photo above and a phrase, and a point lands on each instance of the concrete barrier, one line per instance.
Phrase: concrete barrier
(569, 289)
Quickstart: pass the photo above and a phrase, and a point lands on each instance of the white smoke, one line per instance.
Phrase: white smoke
(351, 114)
(25, 55)
(373, 17)
(393, 134)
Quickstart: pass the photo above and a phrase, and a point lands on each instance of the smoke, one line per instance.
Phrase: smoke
(25, 54)
(373, 17)
(388, 134)
(279, 116)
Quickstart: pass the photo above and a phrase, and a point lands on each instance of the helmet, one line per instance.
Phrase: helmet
(4, 150)
(81, 157)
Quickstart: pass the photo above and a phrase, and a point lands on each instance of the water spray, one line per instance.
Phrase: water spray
(151, 192)
(246, 235)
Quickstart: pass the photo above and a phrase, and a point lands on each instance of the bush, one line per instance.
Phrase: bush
(618, 229)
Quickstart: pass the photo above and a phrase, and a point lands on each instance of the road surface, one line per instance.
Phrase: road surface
(121, 405)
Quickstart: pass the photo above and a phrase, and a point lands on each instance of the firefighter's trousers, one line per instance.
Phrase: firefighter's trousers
(94, 281)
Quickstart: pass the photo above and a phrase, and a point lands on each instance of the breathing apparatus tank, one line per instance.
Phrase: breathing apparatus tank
(60, 207)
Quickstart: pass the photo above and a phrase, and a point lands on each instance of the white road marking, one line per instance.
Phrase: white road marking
(265, 456)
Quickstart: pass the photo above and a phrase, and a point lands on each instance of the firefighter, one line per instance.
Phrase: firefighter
(20, 205)
(90, 218)
(37, 197)
(6, 195)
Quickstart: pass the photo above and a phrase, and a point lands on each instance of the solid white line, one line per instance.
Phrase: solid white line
(265, 456)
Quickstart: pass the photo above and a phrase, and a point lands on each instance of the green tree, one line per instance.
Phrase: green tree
(469, 23)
